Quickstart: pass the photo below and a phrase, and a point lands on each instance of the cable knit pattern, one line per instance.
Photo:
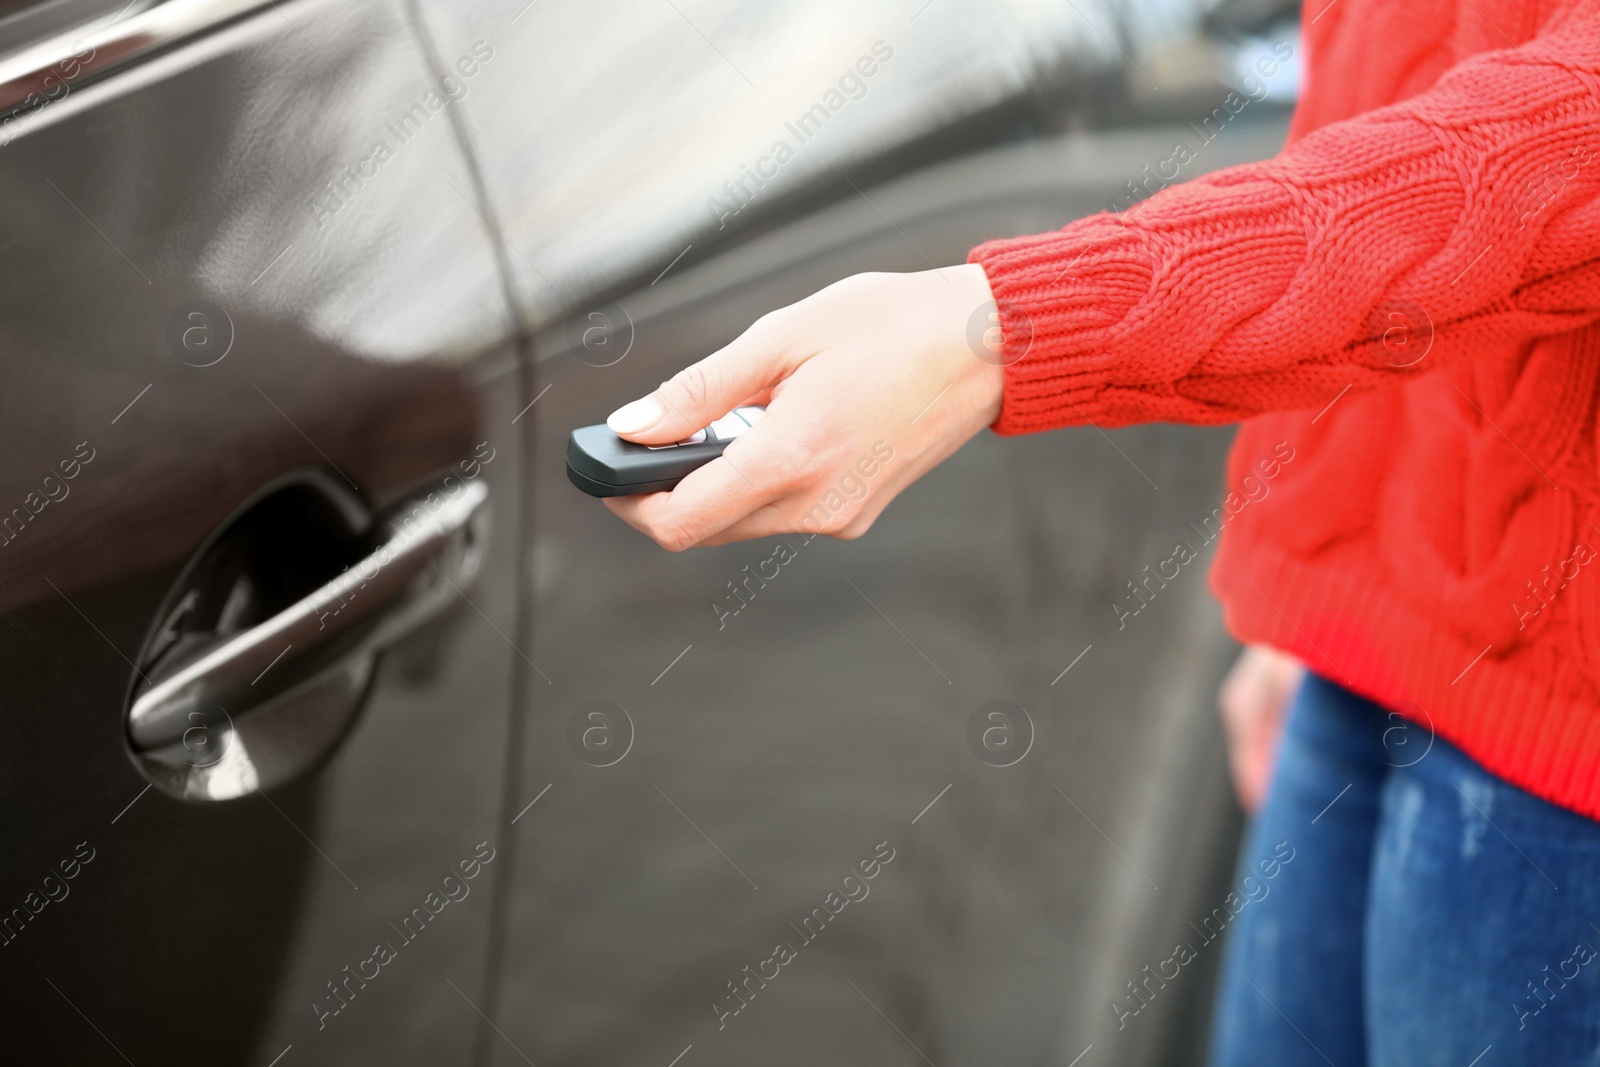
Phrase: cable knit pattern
(1406, 298)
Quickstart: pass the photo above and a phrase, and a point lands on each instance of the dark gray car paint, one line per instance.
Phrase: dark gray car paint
(206, 934)
(382, 332)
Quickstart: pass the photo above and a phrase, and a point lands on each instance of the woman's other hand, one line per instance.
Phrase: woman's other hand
(1254, 699)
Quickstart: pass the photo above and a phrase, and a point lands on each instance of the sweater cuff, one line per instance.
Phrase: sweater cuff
(1064, 298)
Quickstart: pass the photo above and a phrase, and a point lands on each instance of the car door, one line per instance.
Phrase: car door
(725, 743)
(259, 549)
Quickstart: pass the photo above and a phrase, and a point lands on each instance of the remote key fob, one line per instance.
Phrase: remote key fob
(603, 464)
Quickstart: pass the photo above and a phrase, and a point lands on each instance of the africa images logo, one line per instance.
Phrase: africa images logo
(1000, 733)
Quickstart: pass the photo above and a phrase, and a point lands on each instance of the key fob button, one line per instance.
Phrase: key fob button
(602, 464)
(728, 427)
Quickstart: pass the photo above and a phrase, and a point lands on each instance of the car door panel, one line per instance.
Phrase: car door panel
(770, 714)
(362, 335)
(793, 707)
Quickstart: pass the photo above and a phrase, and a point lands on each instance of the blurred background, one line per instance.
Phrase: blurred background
(431, 234)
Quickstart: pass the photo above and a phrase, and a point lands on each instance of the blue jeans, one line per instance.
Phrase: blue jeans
(1431, 913)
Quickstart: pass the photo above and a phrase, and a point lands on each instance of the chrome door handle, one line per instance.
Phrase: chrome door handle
(72, 51)
(413, 575)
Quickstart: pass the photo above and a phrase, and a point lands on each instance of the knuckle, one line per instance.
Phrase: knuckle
(676, 538)
(858, 282)
(671, 535)
(779, 322)
(835, 524)
(771, 322)
(695, 383)
(854, 528)
(776, 331)
(811, 525)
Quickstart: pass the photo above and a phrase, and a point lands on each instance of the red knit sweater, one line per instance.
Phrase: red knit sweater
(1403, 301)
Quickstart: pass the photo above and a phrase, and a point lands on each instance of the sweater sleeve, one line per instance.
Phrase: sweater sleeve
(1463, 220)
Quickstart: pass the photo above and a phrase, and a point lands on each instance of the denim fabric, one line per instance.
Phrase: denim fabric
(1432, 914)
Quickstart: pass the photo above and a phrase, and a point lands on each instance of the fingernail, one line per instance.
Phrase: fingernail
(635, 417)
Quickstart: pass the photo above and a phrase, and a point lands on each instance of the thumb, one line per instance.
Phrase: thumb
(703, 392)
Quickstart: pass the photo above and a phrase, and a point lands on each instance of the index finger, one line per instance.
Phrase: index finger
(707, 501)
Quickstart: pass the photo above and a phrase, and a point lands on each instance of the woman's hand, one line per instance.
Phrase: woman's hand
(868, 384)
(1254, 699)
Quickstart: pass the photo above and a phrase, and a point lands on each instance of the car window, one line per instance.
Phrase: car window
(685, 122)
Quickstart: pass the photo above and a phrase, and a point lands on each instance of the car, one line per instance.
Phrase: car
(340, 728)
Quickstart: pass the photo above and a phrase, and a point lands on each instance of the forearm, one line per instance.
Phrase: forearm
(1470, 211)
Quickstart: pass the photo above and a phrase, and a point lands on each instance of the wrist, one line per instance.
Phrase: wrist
(982, 339)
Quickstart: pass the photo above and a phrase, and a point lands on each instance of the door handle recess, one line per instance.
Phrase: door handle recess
(307, 662)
